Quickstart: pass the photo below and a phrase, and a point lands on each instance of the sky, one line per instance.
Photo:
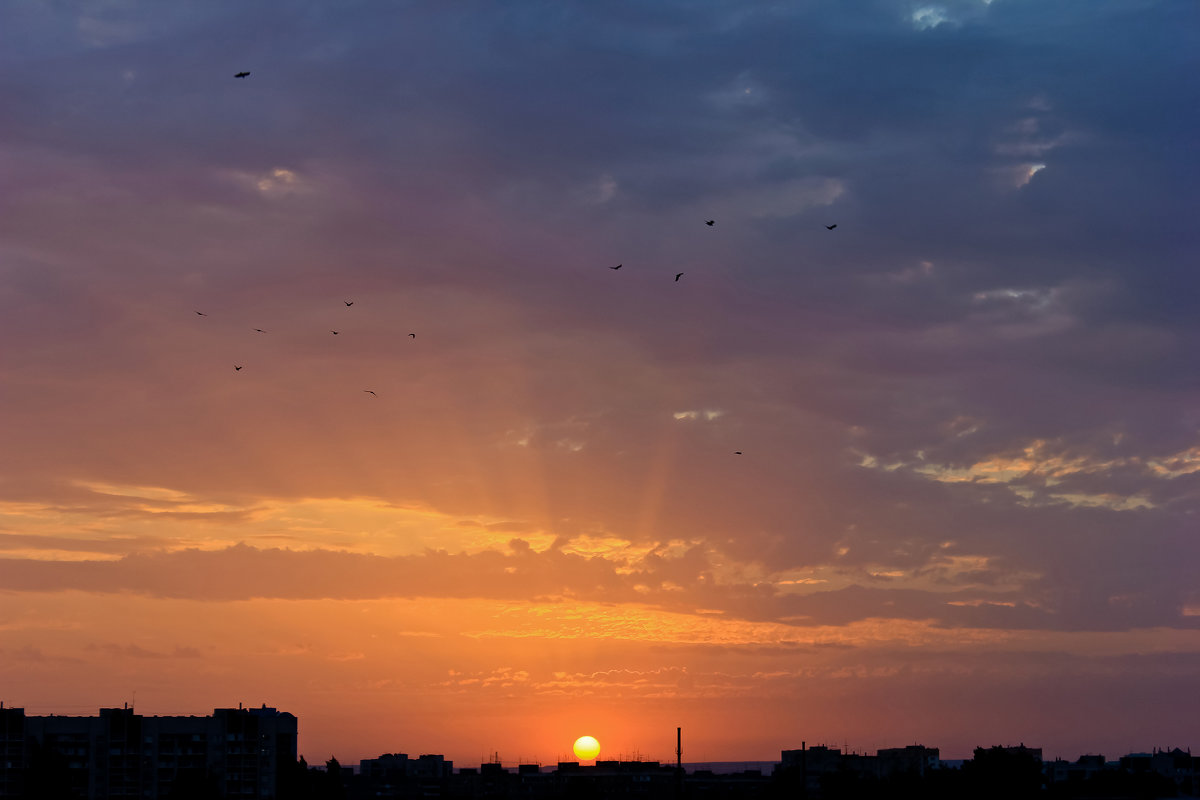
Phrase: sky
(931, 476)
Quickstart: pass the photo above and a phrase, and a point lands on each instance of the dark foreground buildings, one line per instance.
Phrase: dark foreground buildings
(994, 773)
(251, 753)
(819, 773)
(397, 776)
(234, 753)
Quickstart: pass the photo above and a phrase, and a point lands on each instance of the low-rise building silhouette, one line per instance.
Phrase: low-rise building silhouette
(1176, 765)
(914, 759)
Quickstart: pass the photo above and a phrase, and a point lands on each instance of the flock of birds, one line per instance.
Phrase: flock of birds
(348, 303)
(238, 367)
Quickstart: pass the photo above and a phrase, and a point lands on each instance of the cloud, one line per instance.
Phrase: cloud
(927, 17)
(131, 650)
(686, 582)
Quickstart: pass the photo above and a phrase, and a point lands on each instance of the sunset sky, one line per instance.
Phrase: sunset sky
(965, 508)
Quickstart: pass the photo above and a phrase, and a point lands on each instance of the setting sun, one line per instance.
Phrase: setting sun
(586, 748)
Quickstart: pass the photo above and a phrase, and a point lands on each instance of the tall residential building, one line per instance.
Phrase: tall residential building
(235, 753)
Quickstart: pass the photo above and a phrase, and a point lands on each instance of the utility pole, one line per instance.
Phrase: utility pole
(679, 763)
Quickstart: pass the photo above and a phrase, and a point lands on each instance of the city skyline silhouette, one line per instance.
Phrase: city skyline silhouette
(254, 752)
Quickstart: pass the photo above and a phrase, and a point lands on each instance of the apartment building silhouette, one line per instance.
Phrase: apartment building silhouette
(234, 752)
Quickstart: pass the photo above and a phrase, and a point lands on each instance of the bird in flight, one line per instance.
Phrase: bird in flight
(413, 335)
(241, 75)
(618, 266)
(335, 333)
(201, 313)
(260, 330)
(831, 227)
(368, 391)
(237, 367)
(678, 275)
(737, 452)
(348, 303)
(710, 222)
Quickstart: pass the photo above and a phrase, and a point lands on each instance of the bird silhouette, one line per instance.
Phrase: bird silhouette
(678, 275)
(335, 333)
(260, 330)
(737, 452)
(241, 74)
(201, 313)
(368, 391)
(413, 335)
(348, 303)
(710, 222)
(618, 266)
(831, 227)
(237, 368)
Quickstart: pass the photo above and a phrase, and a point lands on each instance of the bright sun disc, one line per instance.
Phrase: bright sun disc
(586, 748)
